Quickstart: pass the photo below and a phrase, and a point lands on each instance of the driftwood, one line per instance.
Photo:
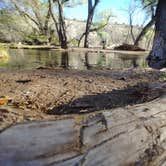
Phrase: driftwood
(133, 135)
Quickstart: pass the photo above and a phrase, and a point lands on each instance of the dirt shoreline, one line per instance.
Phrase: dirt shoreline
(55, 93)
(75, 49)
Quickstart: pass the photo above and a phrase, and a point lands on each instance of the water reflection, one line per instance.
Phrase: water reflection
(87, 64)
(30, 59)
(65, 60)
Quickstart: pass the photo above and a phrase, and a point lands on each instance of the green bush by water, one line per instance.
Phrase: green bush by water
(163, 76)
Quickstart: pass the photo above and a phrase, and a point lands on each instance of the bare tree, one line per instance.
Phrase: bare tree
(59, 21)
(91, 11)
(149, 7)
(96, 28)
(144, 31)
(131, 11)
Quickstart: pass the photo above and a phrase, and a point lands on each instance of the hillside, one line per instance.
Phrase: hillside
(114, 34)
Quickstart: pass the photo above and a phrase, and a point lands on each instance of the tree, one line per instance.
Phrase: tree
(144, 31)
(59, 19)
(136, 7)
(102, 21)
(157, 57)
(59, 22)
(91, 10)
(37, 12)
(12, 27)
(149, 6)
(62, 26)
(131, 11)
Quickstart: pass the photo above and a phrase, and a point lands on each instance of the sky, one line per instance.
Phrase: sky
(117, 7)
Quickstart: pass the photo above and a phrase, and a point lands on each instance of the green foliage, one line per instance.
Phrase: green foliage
(12, 26)
(4, 57)
(55, 40)
(35, 39)
(149, 2)
(101, 61)
(163, 76)
(74, 42)
(149, 33)
(104, 36)
(102, 17)
(149, 6)
(2, 47)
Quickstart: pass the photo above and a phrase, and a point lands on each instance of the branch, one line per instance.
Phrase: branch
(101, 26)
(25, 14)
(53, 16)
(94, 29)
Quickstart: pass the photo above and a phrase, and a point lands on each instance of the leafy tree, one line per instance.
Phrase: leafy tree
(36, 11)
(12, 27)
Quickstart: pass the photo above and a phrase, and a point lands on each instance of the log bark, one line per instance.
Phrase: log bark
(157, 57)
(132, 135)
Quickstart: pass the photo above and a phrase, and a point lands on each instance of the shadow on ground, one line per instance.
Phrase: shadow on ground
(139, 93)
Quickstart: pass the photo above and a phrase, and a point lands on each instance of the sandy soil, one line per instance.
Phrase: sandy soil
(48, 94)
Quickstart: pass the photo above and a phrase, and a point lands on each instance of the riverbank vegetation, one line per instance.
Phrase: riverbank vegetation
(46, 23)
(3, 52)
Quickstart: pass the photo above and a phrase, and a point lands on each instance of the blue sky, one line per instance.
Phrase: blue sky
(117, 7)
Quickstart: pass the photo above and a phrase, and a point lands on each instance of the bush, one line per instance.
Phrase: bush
(3, 52)
(55, 41)
(36, 39)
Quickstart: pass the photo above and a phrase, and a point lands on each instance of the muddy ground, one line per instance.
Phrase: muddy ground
(55, 93)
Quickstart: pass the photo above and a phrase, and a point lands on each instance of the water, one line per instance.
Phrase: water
(31, 59)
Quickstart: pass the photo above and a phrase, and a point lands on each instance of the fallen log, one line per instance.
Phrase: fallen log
(132, 135)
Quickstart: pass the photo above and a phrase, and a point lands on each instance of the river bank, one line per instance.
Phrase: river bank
(75, 49)
(55, 93)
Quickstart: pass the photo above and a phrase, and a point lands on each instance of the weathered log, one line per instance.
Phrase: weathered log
(133, 135)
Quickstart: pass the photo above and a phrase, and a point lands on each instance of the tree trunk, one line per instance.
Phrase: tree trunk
(91, 9)
(88, 25)
(62, 27)
(143, 31)
(157, 57)
(46, 26)
(87, 64)
(96, 29)
(65, 60)
(131, 29)
(59, 24)
(132, 135)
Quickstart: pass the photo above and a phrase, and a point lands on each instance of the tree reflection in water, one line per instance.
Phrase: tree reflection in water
(65, 60)
(87, 64)
(134, 62)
